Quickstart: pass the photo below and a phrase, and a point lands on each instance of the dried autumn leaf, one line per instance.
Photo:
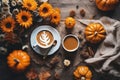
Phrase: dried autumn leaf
(57, 75)
(87, 52)
(32, 74)
(72, 13)
(44, 75)
(55, 60)
(82, 12)
(11, 38)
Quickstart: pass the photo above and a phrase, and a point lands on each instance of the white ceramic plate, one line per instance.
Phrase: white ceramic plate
(56, 36)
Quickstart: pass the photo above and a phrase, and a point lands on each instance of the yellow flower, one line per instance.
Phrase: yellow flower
(24, 18)
(8, 24)
(30, 4)
(45, 10)
(55, 17)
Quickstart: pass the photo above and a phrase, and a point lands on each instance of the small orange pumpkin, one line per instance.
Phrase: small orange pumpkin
(18, 60)
(95, 33)
(82, 73)
(106, 5)
(70, 22)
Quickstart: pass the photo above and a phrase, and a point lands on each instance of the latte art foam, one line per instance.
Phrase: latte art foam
(44, 38)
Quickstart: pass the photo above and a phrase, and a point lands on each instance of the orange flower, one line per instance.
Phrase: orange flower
(24, 18)
(55, 17)
(57, 9)
(8, 24)
(45, 10)
(30, 4)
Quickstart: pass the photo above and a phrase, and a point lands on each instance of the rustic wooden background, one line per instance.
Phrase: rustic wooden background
(66, 6)
(89, 5)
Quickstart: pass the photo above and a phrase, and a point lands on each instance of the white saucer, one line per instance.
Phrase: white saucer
(55, 34)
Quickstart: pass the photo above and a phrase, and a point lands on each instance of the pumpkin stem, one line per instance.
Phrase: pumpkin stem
(69, 23)
(95, 34)
(83, 78)
(16, 62)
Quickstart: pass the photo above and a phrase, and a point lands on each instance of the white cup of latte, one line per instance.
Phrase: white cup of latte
(44, 39)
(70, 43)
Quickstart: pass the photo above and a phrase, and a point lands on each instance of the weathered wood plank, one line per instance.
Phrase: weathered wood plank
(66, 6)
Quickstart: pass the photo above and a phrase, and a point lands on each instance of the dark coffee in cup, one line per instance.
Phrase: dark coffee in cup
(70, 43)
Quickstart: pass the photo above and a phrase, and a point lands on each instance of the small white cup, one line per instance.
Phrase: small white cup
(70, 35)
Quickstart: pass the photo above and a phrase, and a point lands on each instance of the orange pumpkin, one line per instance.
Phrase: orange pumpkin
(95, 33)
(82, 73)
(70, 22)
(18, 60)
(106, 5)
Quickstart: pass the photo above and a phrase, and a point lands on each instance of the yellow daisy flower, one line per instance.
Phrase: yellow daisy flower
(45, 10)
(8, 24)
(30, 4)
(24, 18)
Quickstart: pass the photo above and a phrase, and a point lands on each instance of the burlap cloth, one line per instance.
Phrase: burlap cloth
(108, 51)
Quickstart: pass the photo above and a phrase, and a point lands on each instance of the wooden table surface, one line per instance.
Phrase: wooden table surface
(65, 73)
